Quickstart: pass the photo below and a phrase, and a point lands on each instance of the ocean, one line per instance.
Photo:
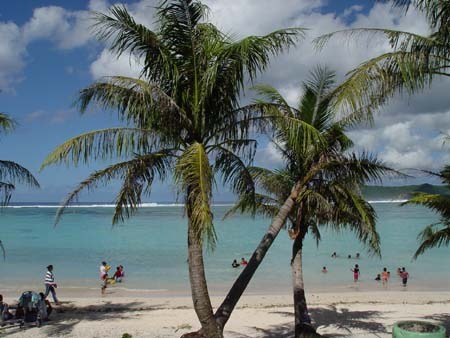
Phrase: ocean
(152, 248)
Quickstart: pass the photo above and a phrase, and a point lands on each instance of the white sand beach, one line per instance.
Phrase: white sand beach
(349, 314)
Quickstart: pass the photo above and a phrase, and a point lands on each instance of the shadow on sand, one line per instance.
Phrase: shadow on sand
(66, 316)
(331, 317)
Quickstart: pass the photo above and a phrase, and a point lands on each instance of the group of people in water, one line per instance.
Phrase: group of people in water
(384, 276)
(235, 264)
(118, 276)
(335, 255)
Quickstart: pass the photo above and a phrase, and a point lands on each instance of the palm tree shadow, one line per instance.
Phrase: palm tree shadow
(64, 318)
(442, 318)
(330, 317)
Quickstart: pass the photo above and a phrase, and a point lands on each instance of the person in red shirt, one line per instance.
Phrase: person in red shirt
(243, 261)
(404, 275)
(118, 275)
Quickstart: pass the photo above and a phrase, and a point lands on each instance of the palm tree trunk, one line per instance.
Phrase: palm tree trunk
(199, 288)
(303, 329)
(223, 313)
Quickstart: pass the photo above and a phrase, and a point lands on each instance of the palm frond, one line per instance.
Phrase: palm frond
(6, 123)
(194, 175)
(136, 173)
(14, 173)
(234, 171)
(6, 190)
(438, 203)
(103, 144)
(136, 101)
(128, 36)
(431, 237)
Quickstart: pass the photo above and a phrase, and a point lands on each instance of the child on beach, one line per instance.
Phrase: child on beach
(356, 273)
(385, 277)
(404, 275)
(118, 275)
(104, 268)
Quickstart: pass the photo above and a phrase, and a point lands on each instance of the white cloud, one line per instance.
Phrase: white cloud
(414, 159)
(107, 64)
(67, 29)
(12, 55)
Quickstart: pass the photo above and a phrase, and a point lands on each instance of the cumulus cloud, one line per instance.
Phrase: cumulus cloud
(107, 64)
(406, 131)
(12, 55)
(67, 29)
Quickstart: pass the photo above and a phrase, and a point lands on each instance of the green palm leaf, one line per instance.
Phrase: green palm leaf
(195, 176)
(103, 144)
(6, 123)
(136, 174)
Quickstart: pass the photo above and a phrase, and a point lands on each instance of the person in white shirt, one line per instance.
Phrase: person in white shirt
(50, 284)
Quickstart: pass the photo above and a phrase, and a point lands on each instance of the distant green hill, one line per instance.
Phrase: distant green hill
(376, 193)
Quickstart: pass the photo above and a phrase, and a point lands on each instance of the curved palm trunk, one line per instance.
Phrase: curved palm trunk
(223, 313)
(199, 288)
(303, 328)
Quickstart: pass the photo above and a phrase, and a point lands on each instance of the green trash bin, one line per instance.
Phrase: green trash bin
(417, 329)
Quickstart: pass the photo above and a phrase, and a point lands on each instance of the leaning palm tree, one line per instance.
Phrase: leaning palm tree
(330, 176)
(436, 234)
(182, 116)
(412, 64)
(11, 173)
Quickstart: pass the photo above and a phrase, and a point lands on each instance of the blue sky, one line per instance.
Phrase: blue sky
(48, 55)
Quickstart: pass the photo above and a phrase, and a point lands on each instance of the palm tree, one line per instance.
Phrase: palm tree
(330, 178)
(414, 61)
(11, 172)
(436, 234)
(182, 115)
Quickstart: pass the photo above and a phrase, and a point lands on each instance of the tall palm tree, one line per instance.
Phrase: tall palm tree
(436, 234)
(11, 173)
(330, 176)
(414, 61)
(183, 116)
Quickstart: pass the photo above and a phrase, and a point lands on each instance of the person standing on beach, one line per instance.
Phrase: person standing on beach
(104, 268)
(356, 273)
(50, 284)
(404, 275)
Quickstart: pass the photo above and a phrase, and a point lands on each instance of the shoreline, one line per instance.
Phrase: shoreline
(358, 314)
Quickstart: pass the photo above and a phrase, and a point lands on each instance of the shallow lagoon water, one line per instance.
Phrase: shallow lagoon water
(152, 247)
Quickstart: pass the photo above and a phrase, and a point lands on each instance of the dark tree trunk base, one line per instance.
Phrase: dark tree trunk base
(306, 331)
(197, 334)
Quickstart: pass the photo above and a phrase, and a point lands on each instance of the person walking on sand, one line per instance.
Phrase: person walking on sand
(50, 284)
(385, 277)
(356, 273)
(104, 268)
(404, 275)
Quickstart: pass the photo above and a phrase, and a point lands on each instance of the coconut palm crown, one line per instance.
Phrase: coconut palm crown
(183, 117)
(411, 65)
(330, 177)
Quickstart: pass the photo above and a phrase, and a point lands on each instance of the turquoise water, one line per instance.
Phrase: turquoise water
(152, 247)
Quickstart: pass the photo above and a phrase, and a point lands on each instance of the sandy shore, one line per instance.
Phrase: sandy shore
(356, 314)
